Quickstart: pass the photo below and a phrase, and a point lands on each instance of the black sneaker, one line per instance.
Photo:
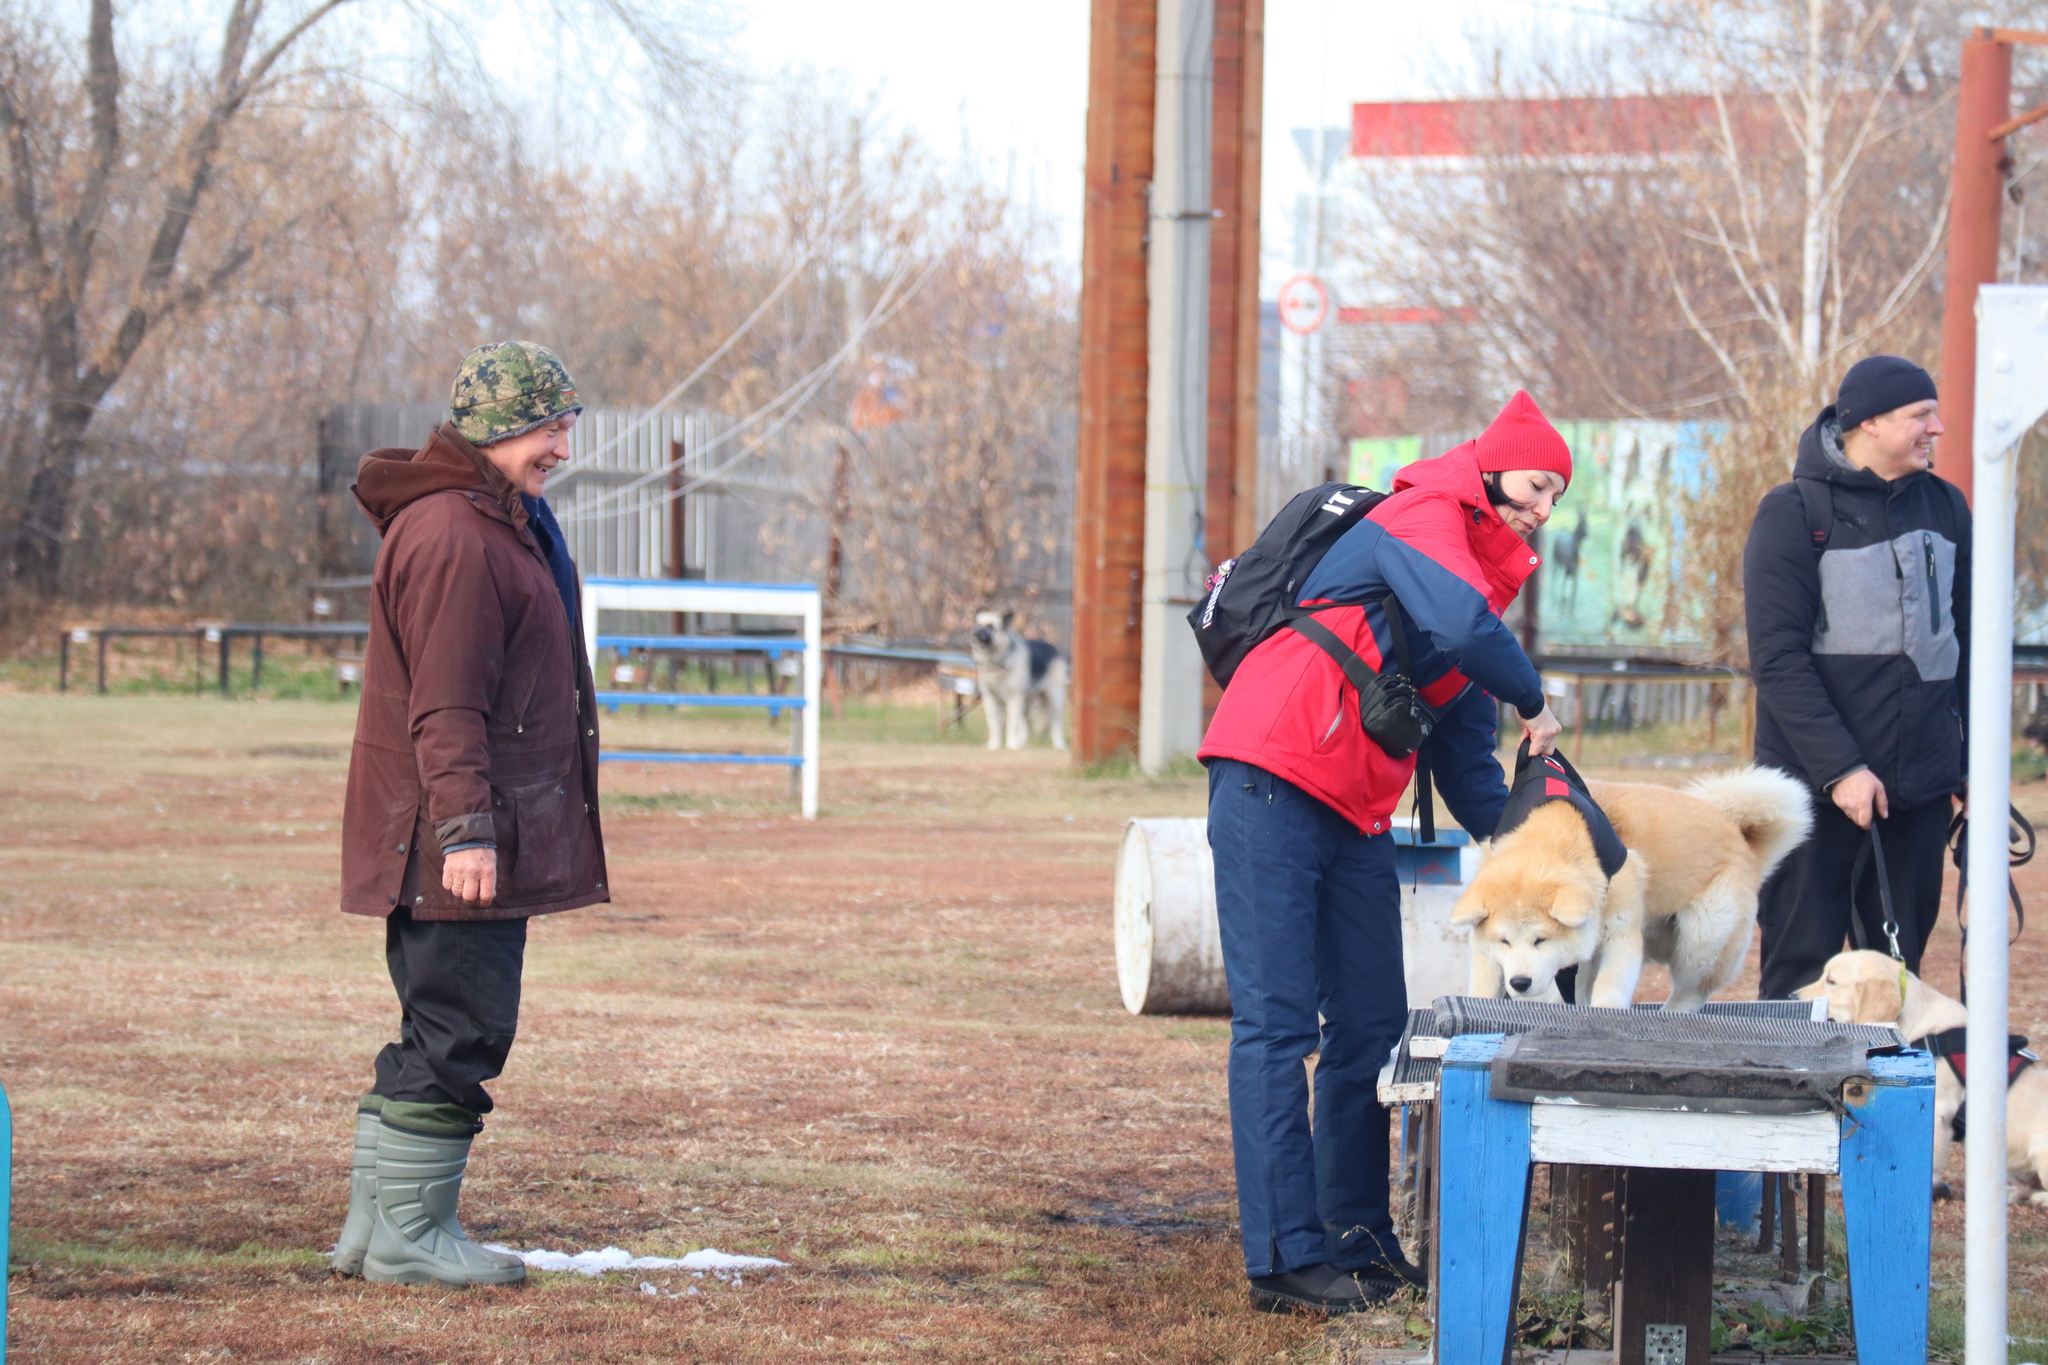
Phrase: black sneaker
(1394, 1272)
(1319, 1288)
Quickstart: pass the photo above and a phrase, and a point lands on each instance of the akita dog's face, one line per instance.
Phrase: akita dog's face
(1535, 905)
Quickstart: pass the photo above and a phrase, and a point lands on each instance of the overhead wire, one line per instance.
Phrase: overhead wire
(797, 392)
(824, 235)
(822, 373)
(797, 395)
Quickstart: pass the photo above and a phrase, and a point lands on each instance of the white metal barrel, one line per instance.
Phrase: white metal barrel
(1169, 953)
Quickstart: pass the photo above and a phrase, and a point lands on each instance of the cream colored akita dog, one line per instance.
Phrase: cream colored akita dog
(1686, 897)
(1866, 987)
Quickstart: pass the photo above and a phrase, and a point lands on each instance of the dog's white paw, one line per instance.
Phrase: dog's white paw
(2039, 1198)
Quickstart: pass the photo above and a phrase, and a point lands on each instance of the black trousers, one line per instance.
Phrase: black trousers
(1805, 906)
(458, 1000)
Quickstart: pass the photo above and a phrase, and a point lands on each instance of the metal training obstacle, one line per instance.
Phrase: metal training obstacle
(783, 600)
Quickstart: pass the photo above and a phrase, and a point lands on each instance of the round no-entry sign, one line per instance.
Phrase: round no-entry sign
(1304, 304)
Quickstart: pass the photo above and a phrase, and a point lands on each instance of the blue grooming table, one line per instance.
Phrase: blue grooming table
(1882, 1151)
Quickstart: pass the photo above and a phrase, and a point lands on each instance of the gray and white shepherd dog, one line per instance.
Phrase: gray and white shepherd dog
(1023, 683)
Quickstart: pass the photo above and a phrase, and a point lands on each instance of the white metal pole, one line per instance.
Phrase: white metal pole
(1990, 776)
(1177, 389)
(814, 674)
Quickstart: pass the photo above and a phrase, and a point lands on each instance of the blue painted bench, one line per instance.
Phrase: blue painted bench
(1882, 1153)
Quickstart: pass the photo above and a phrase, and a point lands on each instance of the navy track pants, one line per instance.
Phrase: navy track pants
(1310, 911)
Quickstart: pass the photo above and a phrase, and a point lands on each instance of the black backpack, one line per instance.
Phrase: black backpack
(1251, 597)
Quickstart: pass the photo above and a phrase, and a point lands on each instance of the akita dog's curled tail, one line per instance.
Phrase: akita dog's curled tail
(1686, 897)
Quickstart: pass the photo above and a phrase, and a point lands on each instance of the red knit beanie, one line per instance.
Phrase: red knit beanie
(1522, 438)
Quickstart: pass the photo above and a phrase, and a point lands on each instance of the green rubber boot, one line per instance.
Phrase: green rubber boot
(415, 1238)
(362, 1189)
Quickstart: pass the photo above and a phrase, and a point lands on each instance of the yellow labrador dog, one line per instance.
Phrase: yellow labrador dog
(1686, 897)
(1866, 987)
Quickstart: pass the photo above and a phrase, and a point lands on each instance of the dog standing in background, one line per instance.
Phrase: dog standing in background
(1023, 683)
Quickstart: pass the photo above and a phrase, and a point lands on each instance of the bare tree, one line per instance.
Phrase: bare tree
(1788, 221)
(60, 197)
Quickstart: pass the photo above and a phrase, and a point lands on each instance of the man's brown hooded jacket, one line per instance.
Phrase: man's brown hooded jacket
(478, 720)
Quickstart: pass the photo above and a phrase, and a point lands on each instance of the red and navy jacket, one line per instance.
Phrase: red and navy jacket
(1454, 565)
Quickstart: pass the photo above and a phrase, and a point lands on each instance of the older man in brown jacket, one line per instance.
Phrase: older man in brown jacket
(472, 791)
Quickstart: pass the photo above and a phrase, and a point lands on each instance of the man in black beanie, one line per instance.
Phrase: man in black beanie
(1858, 582)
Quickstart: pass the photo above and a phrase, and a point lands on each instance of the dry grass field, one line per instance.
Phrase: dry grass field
(885, 1046)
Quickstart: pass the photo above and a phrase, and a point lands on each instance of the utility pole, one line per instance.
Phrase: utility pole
(1976, 196)
(1984, 120)
(1166, 473)
(1231, 522)
(1109, 475)
(1177, 397)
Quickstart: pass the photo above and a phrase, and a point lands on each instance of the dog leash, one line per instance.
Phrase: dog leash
(2019, 851)
(1873, 852)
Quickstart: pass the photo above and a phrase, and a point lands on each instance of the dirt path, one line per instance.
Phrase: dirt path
(885, 1046)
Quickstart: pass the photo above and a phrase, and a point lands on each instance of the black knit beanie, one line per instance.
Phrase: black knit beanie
(1875, 386)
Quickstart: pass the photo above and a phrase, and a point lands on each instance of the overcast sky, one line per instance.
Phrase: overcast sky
(1011, 81)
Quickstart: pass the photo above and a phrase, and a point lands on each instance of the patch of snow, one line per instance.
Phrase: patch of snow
(719, 1263)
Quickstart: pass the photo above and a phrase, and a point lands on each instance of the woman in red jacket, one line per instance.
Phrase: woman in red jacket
(1300, 804)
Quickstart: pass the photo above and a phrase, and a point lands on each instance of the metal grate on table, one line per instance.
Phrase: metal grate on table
(1772, 1021)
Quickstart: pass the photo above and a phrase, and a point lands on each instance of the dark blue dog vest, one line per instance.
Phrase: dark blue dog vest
(1540, 778)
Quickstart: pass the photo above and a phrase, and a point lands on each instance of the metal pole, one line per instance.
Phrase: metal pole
(100, 678)
(6, 1210)
(1177, 391)
(1983, 101)
(256, 666)
(1990, 775)
(814, 676)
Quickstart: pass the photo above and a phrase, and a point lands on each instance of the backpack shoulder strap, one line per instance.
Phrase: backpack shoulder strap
(1958, 509)
(1819, 502)
(1322, 637)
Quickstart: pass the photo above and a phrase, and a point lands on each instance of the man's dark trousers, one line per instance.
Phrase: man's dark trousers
(458, 993)
(1804, 908)
(1310, 911)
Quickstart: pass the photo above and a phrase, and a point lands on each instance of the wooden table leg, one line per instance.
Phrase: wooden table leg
(1667, 1266)
(1817, 1223)
(1788, 1228)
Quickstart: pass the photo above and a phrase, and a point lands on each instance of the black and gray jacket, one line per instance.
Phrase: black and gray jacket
(1858, 647)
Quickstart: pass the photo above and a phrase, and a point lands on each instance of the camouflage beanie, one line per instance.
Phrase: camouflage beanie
(508, 388)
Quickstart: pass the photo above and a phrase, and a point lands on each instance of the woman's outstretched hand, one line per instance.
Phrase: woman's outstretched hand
(1543, 731)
